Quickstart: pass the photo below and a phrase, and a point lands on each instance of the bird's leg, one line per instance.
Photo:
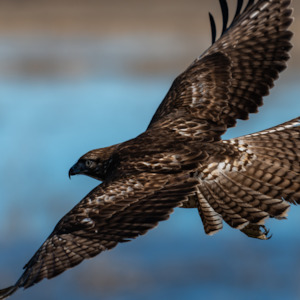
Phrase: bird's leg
(257, 231)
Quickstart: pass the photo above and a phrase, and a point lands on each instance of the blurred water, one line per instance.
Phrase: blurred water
(45, 125)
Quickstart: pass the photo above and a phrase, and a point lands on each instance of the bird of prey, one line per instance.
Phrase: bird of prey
(181, 160)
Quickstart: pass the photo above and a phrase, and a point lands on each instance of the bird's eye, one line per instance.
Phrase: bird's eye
(89, 163)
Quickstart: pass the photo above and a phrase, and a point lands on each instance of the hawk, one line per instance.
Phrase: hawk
(181, 160)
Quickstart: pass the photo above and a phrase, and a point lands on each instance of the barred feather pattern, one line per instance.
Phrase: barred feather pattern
(258, 182)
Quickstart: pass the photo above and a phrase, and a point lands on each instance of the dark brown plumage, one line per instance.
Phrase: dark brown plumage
(180, 160)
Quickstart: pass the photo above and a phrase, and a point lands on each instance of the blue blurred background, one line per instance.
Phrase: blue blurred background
(78, 75)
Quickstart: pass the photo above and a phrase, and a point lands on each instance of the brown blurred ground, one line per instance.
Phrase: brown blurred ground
(65, 17)
(186, 21)
(104, 16)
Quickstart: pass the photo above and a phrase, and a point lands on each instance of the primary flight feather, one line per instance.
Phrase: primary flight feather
(181, 161)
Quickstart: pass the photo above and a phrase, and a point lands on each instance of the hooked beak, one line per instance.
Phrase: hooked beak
(76, 169)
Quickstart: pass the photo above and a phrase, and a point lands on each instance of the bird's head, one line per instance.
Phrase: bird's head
(95, 163)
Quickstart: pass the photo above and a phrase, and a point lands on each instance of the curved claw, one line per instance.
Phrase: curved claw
(257, 231)
(266, 232)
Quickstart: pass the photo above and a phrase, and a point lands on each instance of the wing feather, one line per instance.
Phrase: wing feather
(112, 213)
(231, 78)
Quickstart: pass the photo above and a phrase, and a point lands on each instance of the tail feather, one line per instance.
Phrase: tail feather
(258, 181)
(270, 184)
(228, 214)
(211, 220)
(278, 158)
(243, 208)
(259, 198)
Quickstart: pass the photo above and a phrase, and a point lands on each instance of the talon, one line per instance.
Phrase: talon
(266, 232)
(257, 231)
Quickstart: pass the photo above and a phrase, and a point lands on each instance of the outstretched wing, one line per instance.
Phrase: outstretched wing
(112, 213)
(258, 182)
(230, 79)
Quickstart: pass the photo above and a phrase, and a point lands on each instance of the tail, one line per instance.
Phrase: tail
(5, 293)
(257, 177)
